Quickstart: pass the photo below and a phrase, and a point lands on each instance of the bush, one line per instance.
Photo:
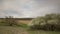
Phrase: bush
(48, 22)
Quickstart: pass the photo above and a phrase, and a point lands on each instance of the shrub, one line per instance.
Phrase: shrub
(47, 22)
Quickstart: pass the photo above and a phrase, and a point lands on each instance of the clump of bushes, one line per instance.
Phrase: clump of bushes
(48, 22)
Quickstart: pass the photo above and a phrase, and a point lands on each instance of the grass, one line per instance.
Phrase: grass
(22, 25)
(12, 30)
(43, 32)
(1, 24)
(20, 30)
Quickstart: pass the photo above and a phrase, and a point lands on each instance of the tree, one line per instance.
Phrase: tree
(10, 20)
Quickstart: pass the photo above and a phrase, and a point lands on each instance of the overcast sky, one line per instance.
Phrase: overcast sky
(28, 8)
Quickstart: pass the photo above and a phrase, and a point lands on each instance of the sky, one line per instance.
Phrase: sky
(28, 8)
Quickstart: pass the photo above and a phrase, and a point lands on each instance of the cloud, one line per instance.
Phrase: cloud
(29, 8)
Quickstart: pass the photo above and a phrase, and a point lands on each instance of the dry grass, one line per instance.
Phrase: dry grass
(12, 30)
(20, 30)
(24, 21)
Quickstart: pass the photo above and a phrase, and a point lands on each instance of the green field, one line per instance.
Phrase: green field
(20, 30)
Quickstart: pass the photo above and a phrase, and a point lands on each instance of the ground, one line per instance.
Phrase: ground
(12, 30)
(20, 30)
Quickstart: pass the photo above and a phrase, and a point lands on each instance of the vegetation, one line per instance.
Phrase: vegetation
(20, 30)
(9, 21)
(39, 25)
(47, 22)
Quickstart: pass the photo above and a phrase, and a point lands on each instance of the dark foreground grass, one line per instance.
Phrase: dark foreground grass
(12, 30)
(43, 32)
(21, 30)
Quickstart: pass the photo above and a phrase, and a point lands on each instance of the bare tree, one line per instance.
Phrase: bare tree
(10, 20)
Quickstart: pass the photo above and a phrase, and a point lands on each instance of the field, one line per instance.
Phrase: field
(22, 30)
